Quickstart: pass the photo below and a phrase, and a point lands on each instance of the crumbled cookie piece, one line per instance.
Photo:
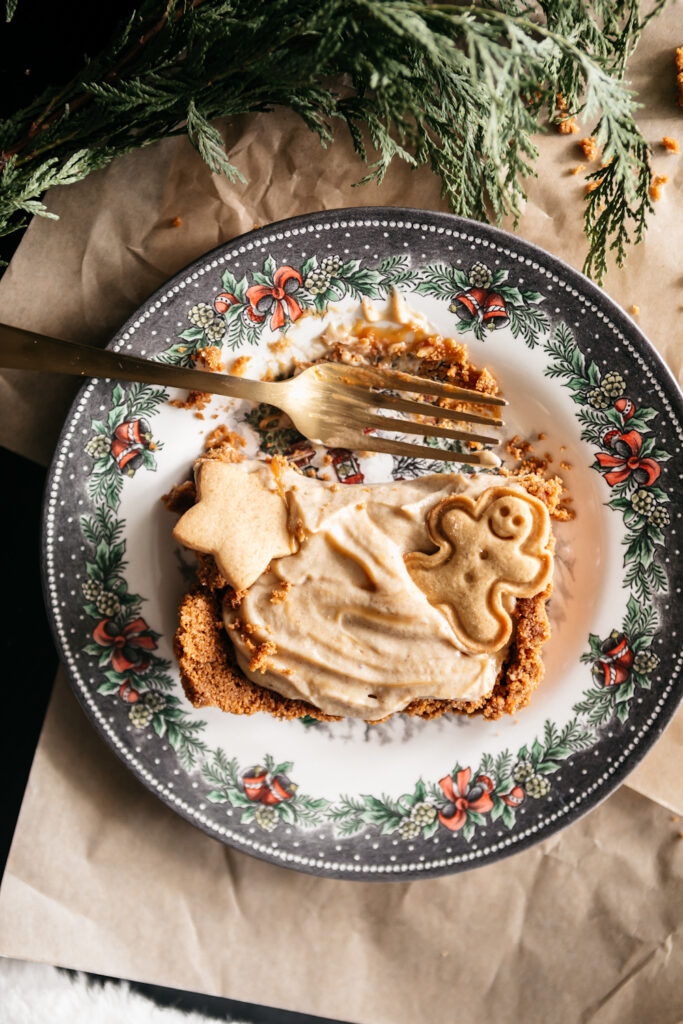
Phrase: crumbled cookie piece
(566, 124)
(590, 148)
(280, 593)
(221, 435)
(656, 186)
(670, 145)
(195, 400)
(210, 358)
(239, 366)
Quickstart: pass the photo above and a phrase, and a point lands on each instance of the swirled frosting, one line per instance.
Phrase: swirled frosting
(351, 598)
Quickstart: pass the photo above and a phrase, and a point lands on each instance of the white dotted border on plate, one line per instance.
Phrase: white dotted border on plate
(268, 850)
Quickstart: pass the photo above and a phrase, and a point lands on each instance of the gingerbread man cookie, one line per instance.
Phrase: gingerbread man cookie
(490, 551)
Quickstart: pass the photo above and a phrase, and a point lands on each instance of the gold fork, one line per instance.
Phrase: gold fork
(332, 404)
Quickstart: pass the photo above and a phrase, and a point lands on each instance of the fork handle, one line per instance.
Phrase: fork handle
(24, 350)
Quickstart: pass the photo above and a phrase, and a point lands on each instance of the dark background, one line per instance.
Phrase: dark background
(45, 44)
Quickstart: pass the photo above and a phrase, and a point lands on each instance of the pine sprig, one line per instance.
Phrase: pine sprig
(462, 89)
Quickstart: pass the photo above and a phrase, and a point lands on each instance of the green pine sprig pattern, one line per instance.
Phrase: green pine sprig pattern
(332, 279)
(227, 787)
(642, 508)
(144, 682)
(147, 687)
(105, 481)
(417, 814)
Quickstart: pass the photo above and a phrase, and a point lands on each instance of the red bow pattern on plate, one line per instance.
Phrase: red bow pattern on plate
(129, 643)
(278, 298)
(627, 459)
(463, 798)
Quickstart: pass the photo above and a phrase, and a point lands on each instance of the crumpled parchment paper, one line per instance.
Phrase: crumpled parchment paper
(103, 877)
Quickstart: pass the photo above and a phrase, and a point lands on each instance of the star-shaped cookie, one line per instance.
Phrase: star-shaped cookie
(490, 551)
(238, 519)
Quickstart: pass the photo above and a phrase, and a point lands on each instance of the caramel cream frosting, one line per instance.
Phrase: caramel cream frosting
(359, 599)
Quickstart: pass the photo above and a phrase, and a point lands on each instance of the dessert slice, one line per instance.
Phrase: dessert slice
(420, 596)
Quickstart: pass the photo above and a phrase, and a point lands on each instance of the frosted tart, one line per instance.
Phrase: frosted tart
(421, 596)
(338, 601)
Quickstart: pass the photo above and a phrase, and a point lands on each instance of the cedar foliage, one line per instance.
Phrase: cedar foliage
(461, 88)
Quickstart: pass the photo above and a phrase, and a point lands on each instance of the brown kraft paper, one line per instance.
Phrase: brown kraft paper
(104, 877)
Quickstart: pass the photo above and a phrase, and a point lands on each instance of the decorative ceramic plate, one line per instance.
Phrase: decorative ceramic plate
(407, 798)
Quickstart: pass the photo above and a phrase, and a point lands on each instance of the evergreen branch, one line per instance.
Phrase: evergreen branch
(460, 89)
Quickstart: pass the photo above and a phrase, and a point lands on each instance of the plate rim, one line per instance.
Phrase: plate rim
(620, 320)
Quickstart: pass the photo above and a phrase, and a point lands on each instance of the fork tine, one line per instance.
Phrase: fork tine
(425, 429)
(419, 385)
(420, 451)
(382, 401)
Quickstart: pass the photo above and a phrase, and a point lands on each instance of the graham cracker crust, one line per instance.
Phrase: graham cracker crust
(210, 675)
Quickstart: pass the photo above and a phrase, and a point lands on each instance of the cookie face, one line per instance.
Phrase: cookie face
(490, 552)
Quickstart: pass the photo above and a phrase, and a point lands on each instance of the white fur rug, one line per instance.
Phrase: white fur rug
(39, 994)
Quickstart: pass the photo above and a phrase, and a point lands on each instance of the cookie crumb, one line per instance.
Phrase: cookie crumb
(678, 59)
(280, 593)
(259, 659)
(239, 366)
(280, 344)
(523, 452)
(670, 145)
(210, 358)
(589, 147)
(177, 222)
(635, 310)
(566, 465)
(566, 123)
(656, 186)
(195, 400)
(579, 169)
(224, 445)
(222, 435)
